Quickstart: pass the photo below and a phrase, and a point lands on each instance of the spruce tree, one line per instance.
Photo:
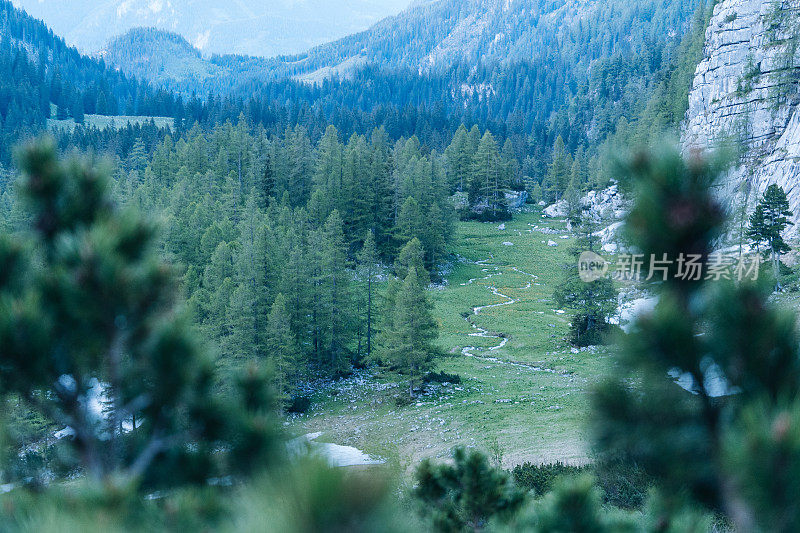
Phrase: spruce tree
(767, 224)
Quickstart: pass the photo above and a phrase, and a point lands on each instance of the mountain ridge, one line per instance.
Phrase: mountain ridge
(264, 28)
(438, 34)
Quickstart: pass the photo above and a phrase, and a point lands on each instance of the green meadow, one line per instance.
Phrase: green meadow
(524, 401)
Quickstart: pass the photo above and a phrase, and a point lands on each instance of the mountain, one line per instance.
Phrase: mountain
(575, 69)
(435, 35)
(41, 77)
(159, 56)
(439, 33)
(255, 27)
(747, 89)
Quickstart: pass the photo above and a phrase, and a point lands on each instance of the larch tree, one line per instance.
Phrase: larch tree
(336, 304)
(368, 266)
(410, 332)
(282, 350)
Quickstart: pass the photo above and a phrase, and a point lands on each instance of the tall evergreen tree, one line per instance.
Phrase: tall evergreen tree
(593, 302)
(407, 340)
(767, 224)
(558, 173)
(368, 267)
(281, 347)
(336, 304)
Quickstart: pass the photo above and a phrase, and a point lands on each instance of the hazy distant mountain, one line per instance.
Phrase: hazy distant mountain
(432, 34)
(161, 57)
(250, 27)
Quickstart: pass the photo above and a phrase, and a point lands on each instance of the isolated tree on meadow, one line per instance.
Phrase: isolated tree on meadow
(592, 302)
(769, 220)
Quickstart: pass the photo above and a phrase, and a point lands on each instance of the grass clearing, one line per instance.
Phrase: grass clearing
(116, 122)
(529, 394)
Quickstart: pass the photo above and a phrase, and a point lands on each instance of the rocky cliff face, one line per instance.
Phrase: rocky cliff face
(747, 90)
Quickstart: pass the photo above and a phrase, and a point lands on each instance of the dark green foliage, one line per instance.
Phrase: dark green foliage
(466, 495)
(574, 505)
(660, 113)
(368, 268)
(541, 478)
(592, 302)
(87, 309)
(311, 497)
(299, 405)
(769, 220)
(409, 330)
(736, 354)
(442, 377)
(622, 483)
(82, 506)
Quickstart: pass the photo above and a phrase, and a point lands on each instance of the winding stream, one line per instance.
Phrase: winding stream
(491, 271)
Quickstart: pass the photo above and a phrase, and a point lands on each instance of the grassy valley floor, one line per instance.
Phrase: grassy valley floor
(523, 392)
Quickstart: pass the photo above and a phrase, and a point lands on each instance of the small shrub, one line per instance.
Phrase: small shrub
(587, 331)
(624, 483)
(403, 400)
(487, 215)
(465, 495)
(299, 405)
(442, 377)
(540, 478)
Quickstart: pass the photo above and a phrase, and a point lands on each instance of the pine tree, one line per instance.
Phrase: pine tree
(368, 266)
(87, 303)
(593, 302)
(767, 223)
(725, 437)
(281, 347)
(466, 495)
(410, 331)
